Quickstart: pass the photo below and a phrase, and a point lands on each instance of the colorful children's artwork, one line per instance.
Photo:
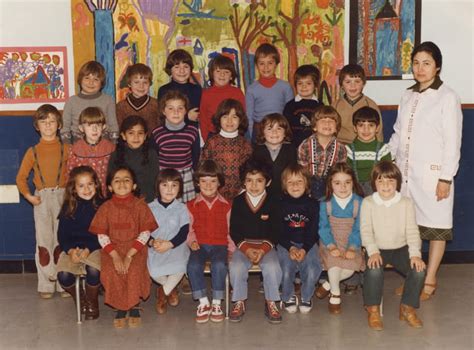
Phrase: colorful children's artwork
(33, 74)
(123, 32)
(383, 34)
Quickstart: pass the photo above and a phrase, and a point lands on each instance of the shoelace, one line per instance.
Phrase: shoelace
(238, 306)
(273, 308)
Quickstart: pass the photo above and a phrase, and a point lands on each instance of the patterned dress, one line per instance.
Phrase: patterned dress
(122, 220)
(230, 154)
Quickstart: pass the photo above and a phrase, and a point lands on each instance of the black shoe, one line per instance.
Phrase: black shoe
(350, 290)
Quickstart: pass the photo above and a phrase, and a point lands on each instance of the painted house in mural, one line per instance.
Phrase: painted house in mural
(36, 85)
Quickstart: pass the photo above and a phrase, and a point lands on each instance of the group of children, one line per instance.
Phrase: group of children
(159, 187)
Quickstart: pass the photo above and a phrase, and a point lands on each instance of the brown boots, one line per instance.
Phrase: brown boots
(161, 302)
(92, 302)
(408, 314)
(375, 320)
(72, 291)
(173, 298)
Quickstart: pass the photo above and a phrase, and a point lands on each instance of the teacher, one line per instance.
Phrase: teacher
(426, 145)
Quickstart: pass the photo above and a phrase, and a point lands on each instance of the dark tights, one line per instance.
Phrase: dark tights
(67, 279)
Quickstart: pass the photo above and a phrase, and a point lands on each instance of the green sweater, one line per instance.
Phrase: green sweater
(362, 157)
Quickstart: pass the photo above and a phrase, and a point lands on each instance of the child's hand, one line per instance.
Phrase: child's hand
(417, 264)
(300, 255)
(258, 255)
(35, 200)
(74, 255)
(126, 263)
(162, 246)
(119, 265)
(195, 246)
(84, 254)
(193, 114)
(251, 254)
(375, 261)
(334, 251)
(350, 254)
(293, 252)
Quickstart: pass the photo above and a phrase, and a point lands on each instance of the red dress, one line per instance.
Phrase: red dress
(123, 219)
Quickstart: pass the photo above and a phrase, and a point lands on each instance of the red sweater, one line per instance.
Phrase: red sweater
(210, 100)
(209, 222)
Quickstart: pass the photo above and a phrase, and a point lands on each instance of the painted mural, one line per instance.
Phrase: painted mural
(119, 33)
(33, 74)
(383, 34)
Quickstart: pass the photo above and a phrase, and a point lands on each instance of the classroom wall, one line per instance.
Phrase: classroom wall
(48, 23)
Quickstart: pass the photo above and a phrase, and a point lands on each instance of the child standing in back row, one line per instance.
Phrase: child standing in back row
(268, 94)
(48, 161)
(222, 75)
(91, 80)
(298, 111)
(352, 81)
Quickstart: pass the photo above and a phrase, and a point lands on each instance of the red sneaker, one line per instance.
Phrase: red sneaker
(271, 312)
(238, 311)
(202, 313)
(216, 313)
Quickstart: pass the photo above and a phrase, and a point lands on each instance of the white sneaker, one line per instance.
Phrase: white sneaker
(290, 306)
(305, 306)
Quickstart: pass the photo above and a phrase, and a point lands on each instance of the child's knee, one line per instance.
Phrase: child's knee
(418, 275)
(376, 272)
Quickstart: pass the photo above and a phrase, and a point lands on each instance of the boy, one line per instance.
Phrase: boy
(209, 239)
(92, 150)
(268, 94)
(179, 66)
(298, 111)
(48, 160)
(390, 235)
(352, 81)
(366, 151)
(254, 227)
(91, 80)
(139, 78)
(319, 152)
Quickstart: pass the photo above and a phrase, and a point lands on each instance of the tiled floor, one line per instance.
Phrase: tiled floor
(27, 322)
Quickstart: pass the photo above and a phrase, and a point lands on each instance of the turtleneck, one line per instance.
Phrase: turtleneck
(268, 82)
(229, 135)
(124, 199)
(89, 97)
(174, 127)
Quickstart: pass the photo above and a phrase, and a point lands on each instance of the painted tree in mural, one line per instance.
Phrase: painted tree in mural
(289, 36)
(246, 28)
(104, 39)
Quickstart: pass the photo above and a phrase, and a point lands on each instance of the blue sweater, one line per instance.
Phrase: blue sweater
(299, 220)
(261, 101)
(325, 232)
(74, 231)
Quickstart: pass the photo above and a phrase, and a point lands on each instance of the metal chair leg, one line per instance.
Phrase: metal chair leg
(227, 296)
(78, 299)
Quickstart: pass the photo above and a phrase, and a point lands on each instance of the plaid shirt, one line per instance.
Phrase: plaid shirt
(317, 159)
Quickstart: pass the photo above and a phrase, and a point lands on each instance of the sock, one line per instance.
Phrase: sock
(216, 301)
(334, 301)
(135, 312)
(204, 301)
(326, 285)
(121, 314)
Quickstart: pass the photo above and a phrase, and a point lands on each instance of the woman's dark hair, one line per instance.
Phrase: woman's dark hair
(166, 175)
(122, 146)
(69, 206)
(224, 108)
(111, 174)
(431, 48)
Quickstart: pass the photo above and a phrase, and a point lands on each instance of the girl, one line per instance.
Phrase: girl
(390, 235)
(339, 231)
(80, 249)
(229, 148)
(91, 80)
(177, 142)
(274, 147)
(167, 253)
(222, 76)
(123, 224)
(297, 249)
(134, 151)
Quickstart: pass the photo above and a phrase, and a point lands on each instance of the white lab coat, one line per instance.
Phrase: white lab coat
(426, 146)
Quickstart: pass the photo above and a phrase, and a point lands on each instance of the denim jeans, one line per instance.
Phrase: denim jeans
(309, 268)
(373, 278)
(217, 254)
(239, 273)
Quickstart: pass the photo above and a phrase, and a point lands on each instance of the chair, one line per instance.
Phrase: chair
(79, 279)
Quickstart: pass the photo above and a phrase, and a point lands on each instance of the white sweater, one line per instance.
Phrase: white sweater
(389, 227)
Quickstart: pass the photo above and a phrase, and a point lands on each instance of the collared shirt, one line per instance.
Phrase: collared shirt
(435, 85)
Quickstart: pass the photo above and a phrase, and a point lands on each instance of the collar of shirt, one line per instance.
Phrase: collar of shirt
(298, 98)
(343, 202)
(392, 201)
(435, 85)
(255, 200)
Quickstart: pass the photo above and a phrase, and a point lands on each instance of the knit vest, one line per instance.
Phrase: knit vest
(210, 224)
